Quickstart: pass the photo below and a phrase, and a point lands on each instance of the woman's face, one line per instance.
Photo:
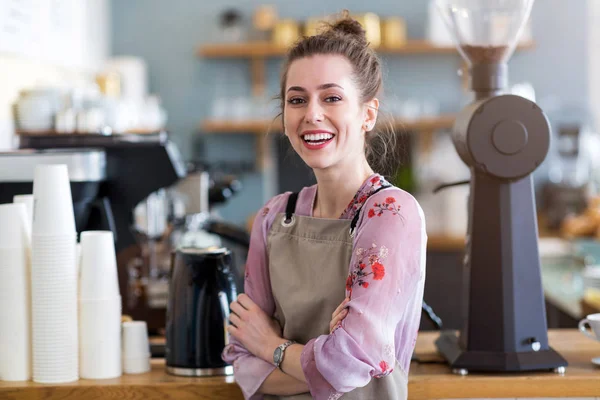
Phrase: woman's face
(324, 118)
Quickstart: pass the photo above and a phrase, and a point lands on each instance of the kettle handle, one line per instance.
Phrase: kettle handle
(225, 310)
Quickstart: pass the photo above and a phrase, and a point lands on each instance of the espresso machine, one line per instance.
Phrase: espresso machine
(110, 176)
(87, 172)
(502, 139)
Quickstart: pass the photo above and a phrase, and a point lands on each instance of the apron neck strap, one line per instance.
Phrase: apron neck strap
(357, 215)
(291, 206)
(293, 199)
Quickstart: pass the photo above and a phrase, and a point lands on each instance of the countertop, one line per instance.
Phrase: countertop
(426, 380)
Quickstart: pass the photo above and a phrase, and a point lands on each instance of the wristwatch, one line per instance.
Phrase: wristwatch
(279, 352)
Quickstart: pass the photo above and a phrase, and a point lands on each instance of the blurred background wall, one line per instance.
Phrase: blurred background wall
(167, 34)
(62, 49)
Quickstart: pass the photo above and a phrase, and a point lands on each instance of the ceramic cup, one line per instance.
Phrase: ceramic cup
(593, 321)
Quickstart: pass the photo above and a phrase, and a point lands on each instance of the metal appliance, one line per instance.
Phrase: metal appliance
(201, 287)
(179, 216)
(87, 173)
(503, 139)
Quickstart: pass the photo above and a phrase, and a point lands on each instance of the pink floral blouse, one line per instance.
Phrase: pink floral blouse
(385, 284)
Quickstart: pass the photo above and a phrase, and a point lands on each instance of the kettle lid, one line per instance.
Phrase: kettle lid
(212, 250)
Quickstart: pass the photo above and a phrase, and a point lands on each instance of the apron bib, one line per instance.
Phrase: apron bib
(309, 261)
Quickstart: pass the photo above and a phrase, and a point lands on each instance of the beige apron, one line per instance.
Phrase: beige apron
(309, 262)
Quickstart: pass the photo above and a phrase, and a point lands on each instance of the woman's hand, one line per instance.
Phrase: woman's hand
(257, 332)
(338, 315)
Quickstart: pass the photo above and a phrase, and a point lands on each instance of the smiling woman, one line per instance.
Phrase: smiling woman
(332, 108)
(335, 273)
(357, 63)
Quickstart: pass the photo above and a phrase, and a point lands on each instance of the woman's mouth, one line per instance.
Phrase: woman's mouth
(316, 141)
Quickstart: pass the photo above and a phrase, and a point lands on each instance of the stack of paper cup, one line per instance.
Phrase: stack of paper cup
(136, 348)
(99, 307)
(53, 278)
(15, 322)
(26, 199)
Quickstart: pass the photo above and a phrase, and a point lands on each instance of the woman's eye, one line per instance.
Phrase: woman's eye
(333, 99)
(296, 101)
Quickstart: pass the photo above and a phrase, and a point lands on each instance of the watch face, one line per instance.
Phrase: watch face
(277, 356)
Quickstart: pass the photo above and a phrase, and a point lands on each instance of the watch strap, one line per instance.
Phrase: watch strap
(282, 347)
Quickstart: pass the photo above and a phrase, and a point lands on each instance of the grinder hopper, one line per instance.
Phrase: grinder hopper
(502, 139)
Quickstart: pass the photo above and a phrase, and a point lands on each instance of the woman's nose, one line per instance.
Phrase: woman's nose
(314, 113)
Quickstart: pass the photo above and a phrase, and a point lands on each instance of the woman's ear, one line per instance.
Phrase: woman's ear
(371, 114)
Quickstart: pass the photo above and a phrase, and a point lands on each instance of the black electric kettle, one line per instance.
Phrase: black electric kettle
(201, 287)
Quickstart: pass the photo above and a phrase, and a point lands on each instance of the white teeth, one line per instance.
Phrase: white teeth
(318, 136)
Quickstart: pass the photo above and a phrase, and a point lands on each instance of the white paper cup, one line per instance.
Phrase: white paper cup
(100, 338)
(47, 251)
(136, 365)
(53, 240)
(15, 315)
(135, 340)
(11, 257)
(53, 204)
(26, 199)
(98, 266)
(78, 261)
(48, 378)
(14, 227)
(54, 307)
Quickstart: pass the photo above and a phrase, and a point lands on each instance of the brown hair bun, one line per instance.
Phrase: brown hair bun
(350, 27)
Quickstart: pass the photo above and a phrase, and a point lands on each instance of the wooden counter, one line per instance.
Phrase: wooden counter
(582, 378)
(427, 381)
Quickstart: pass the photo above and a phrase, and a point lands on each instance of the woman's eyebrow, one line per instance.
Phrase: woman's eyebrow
(321, 87)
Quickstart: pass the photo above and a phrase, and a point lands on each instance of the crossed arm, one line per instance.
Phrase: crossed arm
(261, 335)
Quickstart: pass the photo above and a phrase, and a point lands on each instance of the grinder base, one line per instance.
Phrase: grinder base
(449, 346)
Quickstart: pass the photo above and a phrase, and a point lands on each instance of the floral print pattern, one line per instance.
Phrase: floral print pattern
(388, 205)
(389, 350)
(385, 370)
(371, 257)
(334, 396)
(370, 186)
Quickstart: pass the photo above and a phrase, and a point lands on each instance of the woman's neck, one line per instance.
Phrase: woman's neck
(337, 186)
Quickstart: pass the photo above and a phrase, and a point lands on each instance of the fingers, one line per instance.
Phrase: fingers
(232, 330)
(237, 309)
(245, 301)
(338, 318)
(235, 320)
(340, 307)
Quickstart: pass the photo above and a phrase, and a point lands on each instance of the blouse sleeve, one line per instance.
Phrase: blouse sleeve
(385, 286)
(251, 371)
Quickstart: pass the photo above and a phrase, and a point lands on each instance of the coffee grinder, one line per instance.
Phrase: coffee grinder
(502, 139)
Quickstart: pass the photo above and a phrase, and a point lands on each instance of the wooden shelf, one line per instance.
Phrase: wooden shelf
(262, 126)
(243, 127)
(428, 124)
(445, 243)
(267, 49)
(257, 52)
